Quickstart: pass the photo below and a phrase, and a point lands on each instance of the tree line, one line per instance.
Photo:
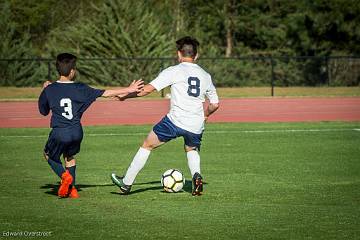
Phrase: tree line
(226, 29)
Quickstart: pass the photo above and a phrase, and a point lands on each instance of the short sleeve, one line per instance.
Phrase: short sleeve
(211, 94)
(90, 94)
(164, 79)
(43, 104)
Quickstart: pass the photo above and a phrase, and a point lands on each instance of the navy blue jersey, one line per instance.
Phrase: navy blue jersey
(67, 102)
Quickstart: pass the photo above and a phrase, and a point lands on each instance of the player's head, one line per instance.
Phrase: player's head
(187, 47)
(66, 64)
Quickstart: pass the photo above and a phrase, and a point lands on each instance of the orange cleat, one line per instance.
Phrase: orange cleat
(66, 180)
(73, 193)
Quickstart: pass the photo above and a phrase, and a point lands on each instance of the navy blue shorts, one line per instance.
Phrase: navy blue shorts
(63, 141)
(166, 131)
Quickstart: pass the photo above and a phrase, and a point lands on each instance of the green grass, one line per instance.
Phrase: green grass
(24, 94)
(270, 183)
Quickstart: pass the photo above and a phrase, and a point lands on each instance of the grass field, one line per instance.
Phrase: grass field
(263, 181)
(19, 94)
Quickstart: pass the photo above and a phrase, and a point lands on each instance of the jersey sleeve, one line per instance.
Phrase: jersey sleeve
(211, 94)
(164, 79)
(43, 104)
(91, 94)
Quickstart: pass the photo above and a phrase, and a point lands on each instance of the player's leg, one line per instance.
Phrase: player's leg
(137, 163)
(70, 164)
(56, 166)
(71, 149)
(192, 147)
(161, 133)
(52, 153)
(193, 158)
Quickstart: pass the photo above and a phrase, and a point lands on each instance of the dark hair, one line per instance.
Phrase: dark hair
(187, 46)
(64, 63)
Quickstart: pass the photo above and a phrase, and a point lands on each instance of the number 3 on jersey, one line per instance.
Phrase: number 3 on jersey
(66, 104)
(194, 87)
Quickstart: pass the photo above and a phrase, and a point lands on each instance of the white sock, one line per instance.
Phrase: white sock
(193, 161)
(136, 165)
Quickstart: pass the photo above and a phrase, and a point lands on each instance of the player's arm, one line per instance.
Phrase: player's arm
(214, 102)
(45, 84)
(211, 108)
(146, 90)
(163, 80)
(43, 104)
(135, 87)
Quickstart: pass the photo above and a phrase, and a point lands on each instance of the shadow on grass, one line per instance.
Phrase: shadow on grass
(187, 188)
(144, 183)
(53, 188)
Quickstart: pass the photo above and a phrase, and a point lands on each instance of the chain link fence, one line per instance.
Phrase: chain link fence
(226, 72)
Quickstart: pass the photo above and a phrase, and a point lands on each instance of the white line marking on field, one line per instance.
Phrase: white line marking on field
(284, 131)
(206, 132)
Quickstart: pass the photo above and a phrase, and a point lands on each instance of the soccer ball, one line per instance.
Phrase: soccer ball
(172, 180)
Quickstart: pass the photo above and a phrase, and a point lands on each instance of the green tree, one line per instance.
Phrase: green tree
(16, 72)
(122, 28)
(38, 18)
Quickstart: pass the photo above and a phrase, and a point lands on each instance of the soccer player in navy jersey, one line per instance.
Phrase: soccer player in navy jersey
(67, 101)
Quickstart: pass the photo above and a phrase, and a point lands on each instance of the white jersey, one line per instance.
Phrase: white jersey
(189, 86)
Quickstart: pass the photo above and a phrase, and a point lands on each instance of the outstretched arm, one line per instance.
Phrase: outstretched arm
(146, 90)
(135, 87)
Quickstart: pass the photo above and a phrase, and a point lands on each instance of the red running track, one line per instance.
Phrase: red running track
(25, 114)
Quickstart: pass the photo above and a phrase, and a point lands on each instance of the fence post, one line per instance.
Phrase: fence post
(161, 68)
(49, 71)
(328, 71)
(272, 76)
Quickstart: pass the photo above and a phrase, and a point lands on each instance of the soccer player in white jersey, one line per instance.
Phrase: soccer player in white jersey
(190, 84)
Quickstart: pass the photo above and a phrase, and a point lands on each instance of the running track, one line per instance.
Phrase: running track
(25, 114)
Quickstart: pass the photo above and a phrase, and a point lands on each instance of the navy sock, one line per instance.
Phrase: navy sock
(72, 171)
(56, 167)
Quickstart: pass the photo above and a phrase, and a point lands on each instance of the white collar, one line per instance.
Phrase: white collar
(189, 63)
(58, 81)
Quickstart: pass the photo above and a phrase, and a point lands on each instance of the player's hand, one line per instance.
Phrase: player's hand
(123, 97)
(136, 86)
(120, 97)
(205, 119)
(45, 84)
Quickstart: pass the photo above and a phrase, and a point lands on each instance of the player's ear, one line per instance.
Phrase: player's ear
(179, 56)
(72, 73)
(196, 57)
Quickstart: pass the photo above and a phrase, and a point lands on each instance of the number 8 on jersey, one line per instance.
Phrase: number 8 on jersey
(194, 86)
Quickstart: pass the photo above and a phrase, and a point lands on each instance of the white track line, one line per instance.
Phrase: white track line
(206, 132)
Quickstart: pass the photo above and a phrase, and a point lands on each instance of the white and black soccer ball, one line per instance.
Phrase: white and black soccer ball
(172, 180)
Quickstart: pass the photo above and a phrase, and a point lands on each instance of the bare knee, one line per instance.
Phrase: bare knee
(148, 146)
(152, 141)
(69, 161)
(46, 157)
(188, 149)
